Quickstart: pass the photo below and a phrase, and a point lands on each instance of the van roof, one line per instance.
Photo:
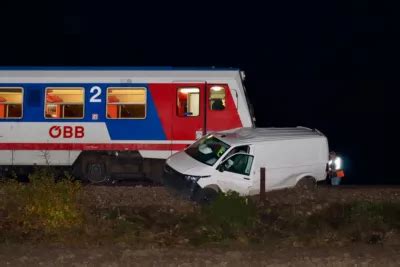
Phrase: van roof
(252, 135)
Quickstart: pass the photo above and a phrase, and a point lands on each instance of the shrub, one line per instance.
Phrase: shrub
(41, 207)
(228, 216)
(355, 221)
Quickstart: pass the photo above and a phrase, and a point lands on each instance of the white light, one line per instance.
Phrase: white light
(338, 163)
(189, 90)
(217, 88)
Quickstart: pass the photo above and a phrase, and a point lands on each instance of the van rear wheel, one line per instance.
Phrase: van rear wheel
(306, 183)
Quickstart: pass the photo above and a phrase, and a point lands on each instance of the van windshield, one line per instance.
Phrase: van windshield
(207, 150)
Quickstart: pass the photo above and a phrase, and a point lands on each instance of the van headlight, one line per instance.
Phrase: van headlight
(193, 178)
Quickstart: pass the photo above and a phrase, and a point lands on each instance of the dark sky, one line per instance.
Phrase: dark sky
(312, 63)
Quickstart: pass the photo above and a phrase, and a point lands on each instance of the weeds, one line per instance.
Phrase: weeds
(228, 217)
(43, 209)
(359, 221)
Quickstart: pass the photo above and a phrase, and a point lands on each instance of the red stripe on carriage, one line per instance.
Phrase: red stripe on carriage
(93, 146)
(163, 96)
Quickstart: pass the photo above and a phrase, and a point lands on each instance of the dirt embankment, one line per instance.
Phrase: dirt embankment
(123, 256)
(134, 197)
(142, 196)
(159, 201)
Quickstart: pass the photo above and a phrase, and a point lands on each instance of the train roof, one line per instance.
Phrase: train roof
(252, 135)
(117, 75)
(111, 68)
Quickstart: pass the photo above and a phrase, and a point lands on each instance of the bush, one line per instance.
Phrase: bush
(231, 210)
(41, 207)
(359, 221)
(229, 216)
(370, 221)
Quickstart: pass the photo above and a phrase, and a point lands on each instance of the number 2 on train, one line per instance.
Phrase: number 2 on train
(96, 90)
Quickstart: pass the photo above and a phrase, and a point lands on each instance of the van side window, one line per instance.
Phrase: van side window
(64, 103)
(243, 149)
(11, 100)
(217, 97)
(239, 163)
(188, 102)
(126, 103)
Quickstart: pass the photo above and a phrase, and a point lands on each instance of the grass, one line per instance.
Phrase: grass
(42, 208)
(45, 210)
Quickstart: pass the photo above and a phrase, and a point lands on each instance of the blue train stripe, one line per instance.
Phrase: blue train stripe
(149, 128)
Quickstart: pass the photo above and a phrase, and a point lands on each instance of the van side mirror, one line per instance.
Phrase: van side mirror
(221, 168)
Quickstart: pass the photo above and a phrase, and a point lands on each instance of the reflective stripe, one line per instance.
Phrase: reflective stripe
(338, 163)
(335, 165)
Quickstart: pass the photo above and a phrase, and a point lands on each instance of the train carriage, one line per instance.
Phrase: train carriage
(113, 122)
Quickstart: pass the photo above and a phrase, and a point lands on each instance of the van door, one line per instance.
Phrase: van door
(189, 119)
(235, 173)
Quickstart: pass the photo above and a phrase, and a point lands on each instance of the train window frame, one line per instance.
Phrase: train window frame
(176, 99)
(211, 99)
(127, 88)
(22, 102)
(64, 88)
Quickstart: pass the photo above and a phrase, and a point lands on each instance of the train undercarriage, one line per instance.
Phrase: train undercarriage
(100, 167)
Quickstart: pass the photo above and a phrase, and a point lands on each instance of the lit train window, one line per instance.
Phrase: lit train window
(11, 102)
(217, 98)
(64, 103)
(188, 102)
(126, 103)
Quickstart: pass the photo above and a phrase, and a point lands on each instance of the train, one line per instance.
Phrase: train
(107, 123)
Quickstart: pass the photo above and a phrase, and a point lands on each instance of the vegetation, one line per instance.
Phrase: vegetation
(42, 208)
(49, 210)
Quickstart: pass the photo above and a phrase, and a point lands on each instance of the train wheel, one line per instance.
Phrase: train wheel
(96, 173)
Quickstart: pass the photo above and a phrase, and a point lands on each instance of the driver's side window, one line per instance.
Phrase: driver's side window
(238, 149)
(239, 163)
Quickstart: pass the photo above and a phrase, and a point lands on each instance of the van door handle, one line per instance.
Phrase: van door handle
(246, 178)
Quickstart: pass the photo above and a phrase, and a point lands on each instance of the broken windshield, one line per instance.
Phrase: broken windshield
(207, 150)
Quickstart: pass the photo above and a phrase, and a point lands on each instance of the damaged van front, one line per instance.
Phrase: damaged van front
(198, 172)
(185, 170)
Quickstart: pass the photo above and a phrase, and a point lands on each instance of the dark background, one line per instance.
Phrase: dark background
(316, 64)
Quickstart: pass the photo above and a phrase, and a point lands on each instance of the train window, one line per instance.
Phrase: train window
(217, 98)
(188, 102)
(64, 103)
(11, 100)
(126, 103)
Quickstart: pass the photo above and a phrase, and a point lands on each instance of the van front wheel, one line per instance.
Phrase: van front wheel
(205, 196)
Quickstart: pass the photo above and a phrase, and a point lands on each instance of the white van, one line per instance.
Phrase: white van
(231, 161)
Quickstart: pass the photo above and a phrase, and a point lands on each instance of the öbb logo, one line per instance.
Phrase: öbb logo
(67, 132)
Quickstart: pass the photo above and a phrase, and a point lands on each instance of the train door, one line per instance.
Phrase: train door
(189, 119)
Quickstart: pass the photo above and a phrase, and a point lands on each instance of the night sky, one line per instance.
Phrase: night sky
(316, 64)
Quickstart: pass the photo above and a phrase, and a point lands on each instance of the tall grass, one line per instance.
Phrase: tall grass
(41, 208)
(44, 209)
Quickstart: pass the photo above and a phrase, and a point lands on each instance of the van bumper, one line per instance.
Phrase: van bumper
(178, 183)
